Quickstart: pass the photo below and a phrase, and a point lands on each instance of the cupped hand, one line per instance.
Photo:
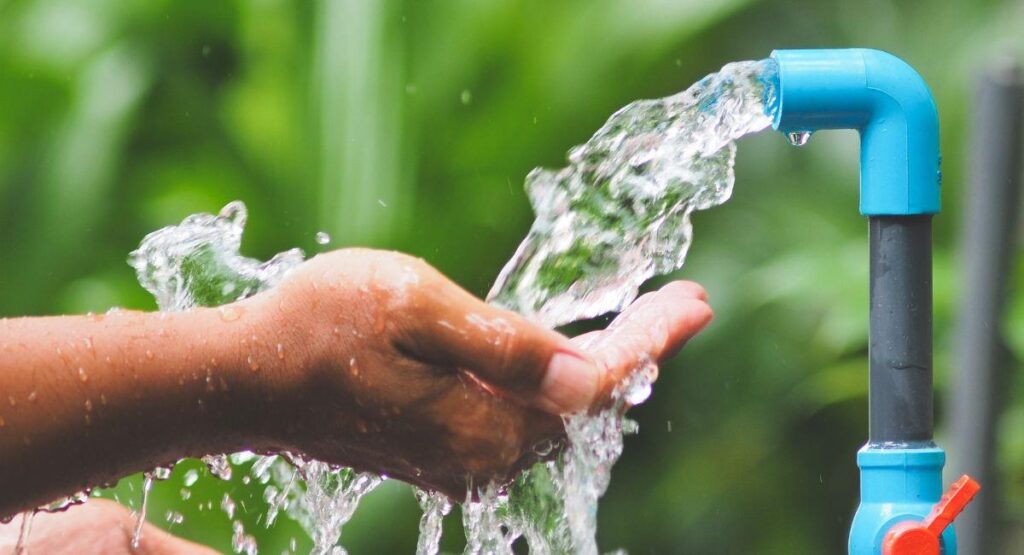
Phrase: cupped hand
(388, 366)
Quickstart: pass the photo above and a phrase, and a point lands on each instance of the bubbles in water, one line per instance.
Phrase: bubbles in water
(798, 138)
(322, 238)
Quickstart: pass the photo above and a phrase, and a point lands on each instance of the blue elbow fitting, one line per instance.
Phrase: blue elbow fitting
(887, 102)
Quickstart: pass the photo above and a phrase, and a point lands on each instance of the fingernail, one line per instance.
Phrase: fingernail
(570, 384)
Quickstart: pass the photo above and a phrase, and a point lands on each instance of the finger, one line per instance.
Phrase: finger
(653, 328)
(505, 350)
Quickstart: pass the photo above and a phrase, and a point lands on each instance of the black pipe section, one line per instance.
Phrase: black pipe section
(991, 215)
(900, 346)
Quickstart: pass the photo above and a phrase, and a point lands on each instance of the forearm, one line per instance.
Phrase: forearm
(85, 400)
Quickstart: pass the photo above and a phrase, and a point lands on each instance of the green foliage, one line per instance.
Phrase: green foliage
(119, 117)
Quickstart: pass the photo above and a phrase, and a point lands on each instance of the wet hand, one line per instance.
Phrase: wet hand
(387, 366)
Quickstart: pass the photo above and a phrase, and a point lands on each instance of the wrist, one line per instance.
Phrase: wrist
(278, 349)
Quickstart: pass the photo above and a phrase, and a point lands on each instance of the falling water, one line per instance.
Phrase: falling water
(618, 214)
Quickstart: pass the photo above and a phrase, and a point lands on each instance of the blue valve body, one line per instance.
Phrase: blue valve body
(896, 485)
(887, 101)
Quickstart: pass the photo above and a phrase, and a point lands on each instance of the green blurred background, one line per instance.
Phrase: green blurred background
(410, 125)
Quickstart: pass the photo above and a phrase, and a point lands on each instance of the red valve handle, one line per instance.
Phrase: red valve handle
(922, 538)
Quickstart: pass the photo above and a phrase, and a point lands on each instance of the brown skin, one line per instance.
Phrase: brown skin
(365, 358)
(99, 526)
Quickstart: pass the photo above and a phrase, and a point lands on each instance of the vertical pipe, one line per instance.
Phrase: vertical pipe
(900, 345)
(990, 221)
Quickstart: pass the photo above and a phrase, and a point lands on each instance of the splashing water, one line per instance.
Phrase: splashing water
(620, 212)
(616, 216)
(435, 507)
(197, 263)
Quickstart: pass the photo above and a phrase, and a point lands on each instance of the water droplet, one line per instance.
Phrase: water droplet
(381, 202)
(229, 313)
(353, 367)
(280, 351)
(545, 448)
(174, 517)
(190, 478)
(798, 138)
(466, 96)
(228, 506)
(2, 422)
(32, 396)
(11, 400)
(668, 425)
(185, 494)
(161, 473)
(219, 466)
(149, 354)
(65, 503)
(88, 405)
(83, 375)
(322, 238)
(254, 365)
(206, 50)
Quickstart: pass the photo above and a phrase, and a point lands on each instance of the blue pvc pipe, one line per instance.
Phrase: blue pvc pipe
(887, 101)
(884, 99)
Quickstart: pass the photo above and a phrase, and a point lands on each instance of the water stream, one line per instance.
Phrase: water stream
(618, 214)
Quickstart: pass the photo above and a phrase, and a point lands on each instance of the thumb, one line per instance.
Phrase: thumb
(503, 349)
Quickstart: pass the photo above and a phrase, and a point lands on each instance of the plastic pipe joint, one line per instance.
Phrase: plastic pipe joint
(898, 488)
(887, 102)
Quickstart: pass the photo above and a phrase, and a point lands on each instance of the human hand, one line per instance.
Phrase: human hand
(382, 364)
(98, 526)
